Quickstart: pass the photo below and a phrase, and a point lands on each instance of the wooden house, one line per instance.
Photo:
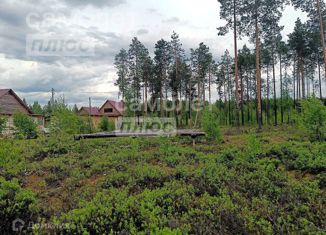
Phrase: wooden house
(10, 103)
(111, 109)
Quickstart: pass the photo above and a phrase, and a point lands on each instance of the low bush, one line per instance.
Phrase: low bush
(65, 120)
(106, 124)
(3, 122)
(210, 123)
(251, 184)
(313, 118)
(25, 126)
(15, 203)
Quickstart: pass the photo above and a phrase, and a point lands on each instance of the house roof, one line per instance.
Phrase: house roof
(93, 111)
(117, 105)
(4, 92)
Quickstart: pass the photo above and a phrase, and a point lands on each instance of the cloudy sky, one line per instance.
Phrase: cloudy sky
(106, 26)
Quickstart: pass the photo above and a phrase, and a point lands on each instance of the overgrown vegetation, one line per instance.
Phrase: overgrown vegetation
(25, 126)
(313, 118)
(209, 122)
(267, 183)
(3, 122)
(106, 125)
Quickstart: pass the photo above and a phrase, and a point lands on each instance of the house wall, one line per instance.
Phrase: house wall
(107, 105)
(82, 112)
(10, 127)
(9, 104)
(96, 120)
(39, 120)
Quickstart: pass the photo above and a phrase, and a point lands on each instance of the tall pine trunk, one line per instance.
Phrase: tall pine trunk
(248, 99)
(229, 95)
(241, 100)
(294, 79)
(322, 35)
(198, 105)
(145, 103)
(161, 98)
(209, 86)
(274, 84)
(225, 100)
(319, 78)
(236, 69)
(267, 98)
(281, 88)
(302, 78)
(259, 111)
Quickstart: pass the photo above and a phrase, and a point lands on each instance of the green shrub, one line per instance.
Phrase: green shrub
(3, 122)
(209, 123)
(25, 126)
(313, 118)
(304, 157)
(106, 125)
(66, 121)
(11, 159)
(15, 203)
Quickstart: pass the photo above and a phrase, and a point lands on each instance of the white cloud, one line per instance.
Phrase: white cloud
(110, 24)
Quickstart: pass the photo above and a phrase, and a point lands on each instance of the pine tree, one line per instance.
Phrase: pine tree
(148, 73)
(282, 51)
(177, 54)
(36, 108)
(121, 64)
(316, 10)
(257, 17)
(162, 61)
(137, 57)
(75, 108)
(230, 11)
(299, 44)
(226, 71)
(201, 60)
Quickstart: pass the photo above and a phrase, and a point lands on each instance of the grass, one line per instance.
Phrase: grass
(263, 183)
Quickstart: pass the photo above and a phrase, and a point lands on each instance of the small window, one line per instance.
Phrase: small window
(108, 110)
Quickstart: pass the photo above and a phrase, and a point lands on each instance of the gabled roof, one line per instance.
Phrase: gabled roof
(94, 111)
(4, 92)
(117, 105)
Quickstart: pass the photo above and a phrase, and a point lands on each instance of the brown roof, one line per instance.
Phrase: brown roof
(117, 105)
(94, 111)
(3, 92)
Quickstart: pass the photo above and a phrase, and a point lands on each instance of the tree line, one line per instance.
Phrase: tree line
(249, 89)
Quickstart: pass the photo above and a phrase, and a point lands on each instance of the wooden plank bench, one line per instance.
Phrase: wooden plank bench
(117, 134)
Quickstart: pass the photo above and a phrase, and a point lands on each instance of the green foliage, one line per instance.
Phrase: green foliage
(15, 203)
(36, 108)
(313, 118)
(66, 121)
(25, 126)
(3, 122)
(305, 157)
(251, 185)
(209, 123)
(106, 125)
(11, 160)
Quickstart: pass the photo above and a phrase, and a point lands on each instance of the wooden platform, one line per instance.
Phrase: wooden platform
(116, 134)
